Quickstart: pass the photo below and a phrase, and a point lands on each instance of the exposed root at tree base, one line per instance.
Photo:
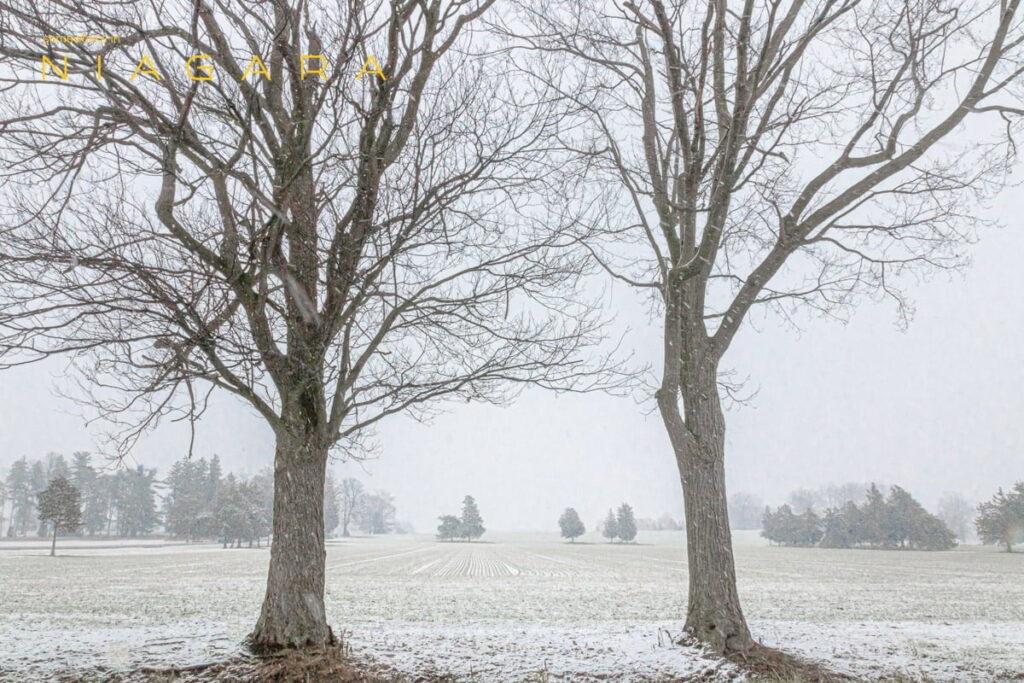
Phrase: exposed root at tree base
(770, 665)
(330, 664)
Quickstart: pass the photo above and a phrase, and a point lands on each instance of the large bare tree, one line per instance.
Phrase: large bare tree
(770, 153)
(214, 195)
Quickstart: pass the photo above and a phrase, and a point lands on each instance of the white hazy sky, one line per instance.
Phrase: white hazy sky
(937, 408)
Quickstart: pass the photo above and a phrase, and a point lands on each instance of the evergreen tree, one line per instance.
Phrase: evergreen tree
(786, 528)
(610, 528)
(86, 480)
(39, 482)
(19, 490)
(472, 524)
(186, 511)
(261, 502)
(60, 508)
(571, 524)
(213, 477)
(769, 525)
(113, 486)
(808, 529)
(842, 527)
(875, 518)
(136, 506)
(229, 512)
(1001, 520)
(449, 527)
(911, 526)
(626, 523)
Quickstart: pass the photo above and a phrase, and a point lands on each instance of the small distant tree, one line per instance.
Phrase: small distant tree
(610, 528)
(571, 525)
(911, 526)
(472, 525)
(349, 500)
(875, 518)
(842, 526)
(626, 523)
(60, 506)
(376, 513)
(745, 511)
(449, 527)
(1001, 520)
(229, 512)
(957, 513)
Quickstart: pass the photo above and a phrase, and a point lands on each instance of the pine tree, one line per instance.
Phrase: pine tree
(842, 527)
(874, 519)
(571, 525)
(257, 507)
(769, 525)
(136, 512)
(449, 527)
(471, 524)
(186, 512)
(610, 528)
(19, 489)
(626, 523)
(229, 512)
(60, 507)
(1001, 520)
(39, 482)
(911, 526)
(86, 480)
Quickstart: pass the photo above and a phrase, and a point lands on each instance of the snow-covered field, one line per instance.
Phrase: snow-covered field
(515, 605)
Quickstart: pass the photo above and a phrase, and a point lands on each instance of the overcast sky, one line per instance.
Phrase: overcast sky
(936, 408)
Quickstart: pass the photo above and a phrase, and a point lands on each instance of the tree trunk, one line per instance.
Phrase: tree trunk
(293, 614)
(53, 545)
(713, 615)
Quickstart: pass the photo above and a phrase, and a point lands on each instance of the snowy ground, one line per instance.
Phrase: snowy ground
(518, 605)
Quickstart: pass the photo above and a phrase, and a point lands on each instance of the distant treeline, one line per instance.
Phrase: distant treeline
(120, 503)
(895, 521)
(195, 502)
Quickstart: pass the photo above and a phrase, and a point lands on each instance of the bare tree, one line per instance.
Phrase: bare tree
(769, 153)
(957, 513)
(349, 499)
(226, 196)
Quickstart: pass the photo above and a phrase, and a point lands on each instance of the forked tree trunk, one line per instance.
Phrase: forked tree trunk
(713, 614)
(293, 614)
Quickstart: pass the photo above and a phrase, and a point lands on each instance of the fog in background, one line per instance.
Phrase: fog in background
(936, 408)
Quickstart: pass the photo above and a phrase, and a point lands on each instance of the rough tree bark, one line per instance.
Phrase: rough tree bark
(293, 612)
